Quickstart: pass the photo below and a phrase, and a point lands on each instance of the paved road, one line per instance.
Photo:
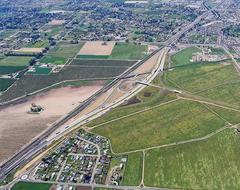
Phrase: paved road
(235, 63)
(38, 144)
(35, 147)
(97, 185)
(152, 75)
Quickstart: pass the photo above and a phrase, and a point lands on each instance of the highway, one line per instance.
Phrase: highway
(104, 186)
(37, 145)
(214, 12)
(155, 71)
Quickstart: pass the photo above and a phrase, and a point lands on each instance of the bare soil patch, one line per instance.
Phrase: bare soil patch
(152, 48)
(56, 22)
(17, 127)
(148, 65)
(147, 94)
(97, 48)
(33, 50)
(133, 100)
(127, 85)
(226, 63)
(83, 188)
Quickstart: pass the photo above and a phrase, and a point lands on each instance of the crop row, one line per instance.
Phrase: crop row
(31, 83)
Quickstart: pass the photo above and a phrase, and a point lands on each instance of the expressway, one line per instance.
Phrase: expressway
(37, 145)
(214, 12)
(184, 30)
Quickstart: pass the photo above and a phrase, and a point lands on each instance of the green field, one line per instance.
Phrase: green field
(148, 97)
(214, 81)
(174, 122)
(122, 51)
(232, 117)
(10, 69)
(61, 53)
(92, 56)
(198, 77)
(210, 164)
(217, 51)
(40, 71)
(39, 44)
(7, 33)
(102, 63)
(15, 61)
(125, 51)
(31, 186)
(228, 93)
(52, 30)
(183, 57)
(5, 83)
(31, 83)
(133, 170)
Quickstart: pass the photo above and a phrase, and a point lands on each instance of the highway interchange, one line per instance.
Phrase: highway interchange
(59, 128)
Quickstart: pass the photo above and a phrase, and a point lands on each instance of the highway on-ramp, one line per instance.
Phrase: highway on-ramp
(37, 145)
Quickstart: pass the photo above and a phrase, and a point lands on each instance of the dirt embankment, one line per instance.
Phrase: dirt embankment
(17, 126)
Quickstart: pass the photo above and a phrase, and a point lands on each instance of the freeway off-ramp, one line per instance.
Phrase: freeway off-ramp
(100, 110)
(37, 145)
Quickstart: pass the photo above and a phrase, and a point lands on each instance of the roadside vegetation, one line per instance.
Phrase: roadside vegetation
(147, 98)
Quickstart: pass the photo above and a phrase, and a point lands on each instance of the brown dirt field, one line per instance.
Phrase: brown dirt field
(151, 48)
(34, 50)
(94, 105)
(56, 22)
(127, 85)
(97, 48)
(83, 188)
(17, 127)
(148, 65)
(116, 95)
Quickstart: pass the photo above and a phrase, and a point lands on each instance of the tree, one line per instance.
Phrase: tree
(32, 61)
